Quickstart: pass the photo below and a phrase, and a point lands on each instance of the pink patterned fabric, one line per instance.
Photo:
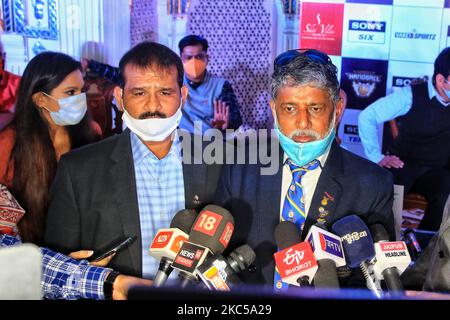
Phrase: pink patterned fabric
(10, 212)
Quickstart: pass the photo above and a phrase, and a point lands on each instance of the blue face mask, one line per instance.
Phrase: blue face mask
(303, 153)
(71, 110)
(446, 91)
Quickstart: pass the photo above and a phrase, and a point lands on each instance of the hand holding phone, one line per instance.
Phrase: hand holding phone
(110, 251)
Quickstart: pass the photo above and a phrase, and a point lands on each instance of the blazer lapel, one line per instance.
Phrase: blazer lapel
(328, 191)
(125, 196)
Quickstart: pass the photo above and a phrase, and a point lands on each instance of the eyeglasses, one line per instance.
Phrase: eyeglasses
(201, 56)
(312, 54)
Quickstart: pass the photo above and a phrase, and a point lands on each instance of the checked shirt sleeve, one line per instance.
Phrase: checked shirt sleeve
(64, 277)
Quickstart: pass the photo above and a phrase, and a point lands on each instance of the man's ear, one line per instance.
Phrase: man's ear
(118, 97)
(339, 111)
(272, 107)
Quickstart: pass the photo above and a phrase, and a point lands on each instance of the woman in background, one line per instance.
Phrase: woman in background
(51, 119)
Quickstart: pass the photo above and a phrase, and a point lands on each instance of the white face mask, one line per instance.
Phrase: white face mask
(71, 109)
(153, 129)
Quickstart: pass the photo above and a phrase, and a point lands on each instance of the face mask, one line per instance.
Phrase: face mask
(71, 110)
(153, 129)
(194, 67)
(303, 153)
(447, 93)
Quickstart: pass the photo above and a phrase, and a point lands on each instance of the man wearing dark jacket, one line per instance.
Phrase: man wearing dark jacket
(131, 184)
(317, 182)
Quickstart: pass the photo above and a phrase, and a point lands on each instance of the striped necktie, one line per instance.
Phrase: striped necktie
(294, 206)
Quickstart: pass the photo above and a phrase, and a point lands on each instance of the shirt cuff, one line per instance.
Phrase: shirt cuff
(375, 157)
(93, 281)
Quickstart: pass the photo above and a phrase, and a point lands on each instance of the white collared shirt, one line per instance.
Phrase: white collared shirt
(308, 182)
(385, 109)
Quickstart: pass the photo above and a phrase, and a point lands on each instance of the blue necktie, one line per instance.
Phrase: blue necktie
(294, 206)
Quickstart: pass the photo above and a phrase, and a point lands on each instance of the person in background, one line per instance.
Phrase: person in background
(211, 99)
(9, 83)
(64, 277)
(51, 119)
(419, 156)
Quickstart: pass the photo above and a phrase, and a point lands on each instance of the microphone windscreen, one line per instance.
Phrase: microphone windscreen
(356, 240)
(242, 257)
(379, 233)
(326, 276)
(183, 220)
(286, 235)
(212, 228)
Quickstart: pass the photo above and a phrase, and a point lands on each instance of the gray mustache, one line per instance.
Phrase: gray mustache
(306, 132)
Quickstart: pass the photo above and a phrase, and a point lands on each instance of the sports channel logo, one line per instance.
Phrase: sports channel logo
(351, 134)
(400, 82)
(367, 31)
(330, 245)
(414, 35)
(351, 129)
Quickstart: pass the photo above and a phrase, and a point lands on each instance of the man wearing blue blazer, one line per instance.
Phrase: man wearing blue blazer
(317, 180)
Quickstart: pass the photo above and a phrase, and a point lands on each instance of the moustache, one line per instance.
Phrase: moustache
(156, 114)
(306, 132)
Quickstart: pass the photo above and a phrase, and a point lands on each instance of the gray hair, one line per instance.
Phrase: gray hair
(302, 71)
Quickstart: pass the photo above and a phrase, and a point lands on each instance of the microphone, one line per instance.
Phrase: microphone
(167, 243)
(391, 259)
(411, 242)
(358, 248)
(220, 273)
(329, 254)
(209, 235)
(295, 262)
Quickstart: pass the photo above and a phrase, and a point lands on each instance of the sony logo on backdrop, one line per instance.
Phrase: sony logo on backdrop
(366, 31)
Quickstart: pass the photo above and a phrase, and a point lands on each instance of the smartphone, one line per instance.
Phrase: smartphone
(112, 250)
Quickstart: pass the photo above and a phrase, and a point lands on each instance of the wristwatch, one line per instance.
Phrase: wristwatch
(108, 285)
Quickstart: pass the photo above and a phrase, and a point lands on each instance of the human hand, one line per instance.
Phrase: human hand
(123, 283)
(391, 162)
(220, 120)
(84, 254)
(427, 295)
